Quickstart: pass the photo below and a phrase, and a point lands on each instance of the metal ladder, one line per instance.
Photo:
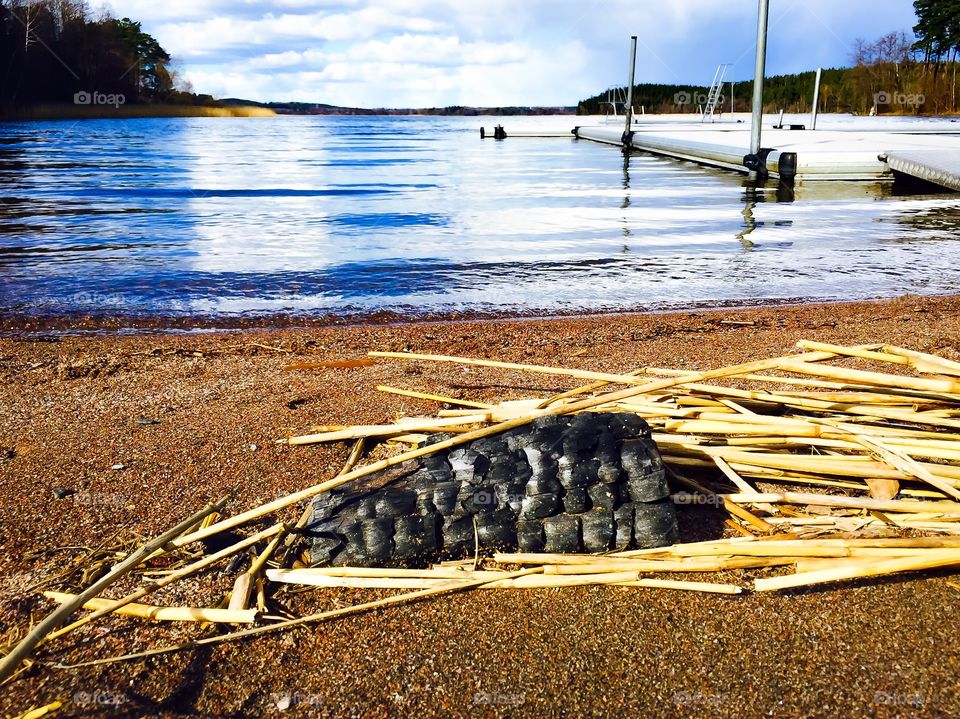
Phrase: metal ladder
(716, 90)
(615, 100)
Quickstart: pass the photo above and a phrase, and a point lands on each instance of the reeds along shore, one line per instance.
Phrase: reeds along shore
(836, 463)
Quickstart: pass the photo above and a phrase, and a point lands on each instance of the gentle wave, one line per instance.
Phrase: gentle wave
(337, 214)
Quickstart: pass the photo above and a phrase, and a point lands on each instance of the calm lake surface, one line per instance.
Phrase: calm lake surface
(346, 215)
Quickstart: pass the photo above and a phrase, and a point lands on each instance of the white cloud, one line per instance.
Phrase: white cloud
(442, 52)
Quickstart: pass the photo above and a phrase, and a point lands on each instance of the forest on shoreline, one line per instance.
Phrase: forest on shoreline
(59, 59)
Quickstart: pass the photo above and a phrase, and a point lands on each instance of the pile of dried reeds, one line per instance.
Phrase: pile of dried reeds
(878, 442)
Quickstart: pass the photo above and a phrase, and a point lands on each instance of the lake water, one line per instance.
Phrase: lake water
(355, 215)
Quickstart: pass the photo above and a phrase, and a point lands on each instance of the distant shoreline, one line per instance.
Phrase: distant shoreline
(64, 111)
(126, 112)
(243, 108)
(315, 108)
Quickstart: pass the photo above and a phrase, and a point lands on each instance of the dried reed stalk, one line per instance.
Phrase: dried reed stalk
(165, 614)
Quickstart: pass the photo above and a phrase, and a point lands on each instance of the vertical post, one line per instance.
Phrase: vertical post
(953, 89)
(731, 98)
(633, 67)
(757, 119)
(816, 100)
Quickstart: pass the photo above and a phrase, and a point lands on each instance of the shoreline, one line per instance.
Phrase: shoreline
(73, 406)
(45, 112)
(14, 325)
(66, 111)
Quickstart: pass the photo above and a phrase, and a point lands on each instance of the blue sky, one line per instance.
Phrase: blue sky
(416, 53)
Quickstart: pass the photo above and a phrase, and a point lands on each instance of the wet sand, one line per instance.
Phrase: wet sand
(75, 407)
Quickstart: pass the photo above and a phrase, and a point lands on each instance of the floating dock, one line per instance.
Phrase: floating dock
(800, 155)
(937, 167)
(498, 133)
(854, 149)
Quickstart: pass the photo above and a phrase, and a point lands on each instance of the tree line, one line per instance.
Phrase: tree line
(896, 74)
(58, 51)
(792, 93)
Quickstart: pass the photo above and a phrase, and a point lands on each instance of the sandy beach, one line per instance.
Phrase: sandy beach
(146, 428)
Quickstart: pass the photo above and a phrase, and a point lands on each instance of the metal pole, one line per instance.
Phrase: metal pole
(731, 98)
(633, 67)
(816, 100)
(757, 119)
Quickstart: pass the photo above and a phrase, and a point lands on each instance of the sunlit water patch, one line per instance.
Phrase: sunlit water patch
(354, 215)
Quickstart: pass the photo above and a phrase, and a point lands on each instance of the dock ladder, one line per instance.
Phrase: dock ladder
(615, 100)
(716, 91)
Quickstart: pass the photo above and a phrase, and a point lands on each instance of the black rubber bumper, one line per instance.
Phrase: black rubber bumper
(588, 483)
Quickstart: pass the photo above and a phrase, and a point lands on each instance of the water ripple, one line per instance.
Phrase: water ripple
(336, 215)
